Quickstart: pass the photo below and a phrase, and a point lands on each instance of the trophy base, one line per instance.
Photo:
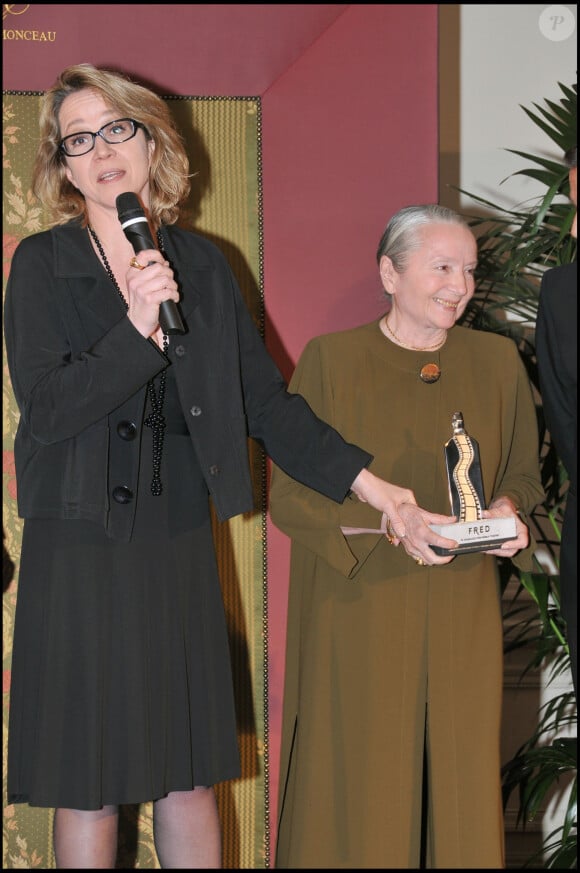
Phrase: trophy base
(475, 536)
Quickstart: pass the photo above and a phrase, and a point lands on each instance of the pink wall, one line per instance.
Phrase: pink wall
(349, 113)
(349, 136)
(195, 49)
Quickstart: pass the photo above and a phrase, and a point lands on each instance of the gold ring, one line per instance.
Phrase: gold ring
(391, 535)
(135, 263)
(420, 562)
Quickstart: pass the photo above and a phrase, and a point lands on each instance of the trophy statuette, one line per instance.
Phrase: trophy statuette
(472, 532)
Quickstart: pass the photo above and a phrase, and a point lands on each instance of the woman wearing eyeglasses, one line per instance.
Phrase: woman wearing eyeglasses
(121, 684)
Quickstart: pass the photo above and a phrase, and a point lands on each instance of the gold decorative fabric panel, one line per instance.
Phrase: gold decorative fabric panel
(223, 141)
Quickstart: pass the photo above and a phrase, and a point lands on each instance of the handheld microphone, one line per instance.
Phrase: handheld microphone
(136, 228)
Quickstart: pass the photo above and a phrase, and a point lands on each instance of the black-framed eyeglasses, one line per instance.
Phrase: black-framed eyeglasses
(114, 133)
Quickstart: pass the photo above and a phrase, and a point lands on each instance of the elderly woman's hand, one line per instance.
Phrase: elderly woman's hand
(404, 522)
(503, 507)
(419, 536)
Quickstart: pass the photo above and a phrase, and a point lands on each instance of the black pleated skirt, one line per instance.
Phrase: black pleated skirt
(121, 687)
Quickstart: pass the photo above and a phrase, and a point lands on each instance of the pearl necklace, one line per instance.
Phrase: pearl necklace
(155, 420)
(400, 342)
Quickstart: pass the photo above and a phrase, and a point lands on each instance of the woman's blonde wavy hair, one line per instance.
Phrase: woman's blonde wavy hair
(169, 180)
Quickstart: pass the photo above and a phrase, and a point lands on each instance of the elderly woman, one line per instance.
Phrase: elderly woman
(392, 705)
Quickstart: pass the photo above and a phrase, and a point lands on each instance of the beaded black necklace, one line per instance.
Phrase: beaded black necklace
(155, 420)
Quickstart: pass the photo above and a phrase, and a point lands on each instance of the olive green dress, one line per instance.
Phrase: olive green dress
(394, 675)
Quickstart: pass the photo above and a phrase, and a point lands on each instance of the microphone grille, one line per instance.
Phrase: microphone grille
(128, 206)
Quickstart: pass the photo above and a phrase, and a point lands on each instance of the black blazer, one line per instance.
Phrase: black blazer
(557, 355)
(79, 371)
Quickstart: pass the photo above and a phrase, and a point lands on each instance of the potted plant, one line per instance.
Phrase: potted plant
(516, 246)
